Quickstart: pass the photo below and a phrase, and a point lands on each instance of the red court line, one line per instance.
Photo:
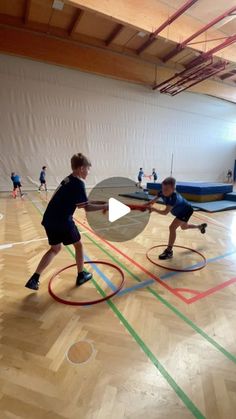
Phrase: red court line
(157, 279)
(211, 290)
(175, 291)
(188, 290)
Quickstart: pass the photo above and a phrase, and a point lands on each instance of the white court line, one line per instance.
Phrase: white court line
(1, 216)
(8, 245)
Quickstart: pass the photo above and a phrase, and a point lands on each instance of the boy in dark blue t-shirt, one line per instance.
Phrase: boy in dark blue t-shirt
(180, 208)
(154, 175)
(140, 176)
(58, 219)
(42, 178)
(16, 184)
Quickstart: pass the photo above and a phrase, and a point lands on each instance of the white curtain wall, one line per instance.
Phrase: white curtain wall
(48, 113)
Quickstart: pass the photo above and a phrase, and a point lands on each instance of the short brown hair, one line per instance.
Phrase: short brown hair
(170, 181)
(79, 160)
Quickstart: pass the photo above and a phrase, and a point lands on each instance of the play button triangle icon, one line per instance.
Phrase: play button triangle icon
(116, 210)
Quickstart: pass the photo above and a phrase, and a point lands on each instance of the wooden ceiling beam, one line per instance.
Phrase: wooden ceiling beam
(75, 21)
(27, 11)
(145, 16)
(114, 33)
(50, 49)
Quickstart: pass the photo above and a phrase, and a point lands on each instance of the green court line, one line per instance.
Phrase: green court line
(181, 394)
(182, 316)
(197, 329)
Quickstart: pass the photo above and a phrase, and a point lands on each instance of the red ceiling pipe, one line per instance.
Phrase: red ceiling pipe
(229, 41)
(171, 19)
(201, 59)
(197, 75)
(199, 81)
(157, 86)
(182, 45)
(184, 77)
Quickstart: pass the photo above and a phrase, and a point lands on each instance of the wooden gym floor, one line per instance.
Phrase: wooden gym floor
(165, 347)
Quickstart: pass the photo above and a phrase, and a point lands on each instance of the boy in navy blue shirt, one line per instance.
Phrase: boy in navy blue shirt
(42, 178)
(140, 176)
(58, 219)
(154, 175)
(180, 208)
(16, 184)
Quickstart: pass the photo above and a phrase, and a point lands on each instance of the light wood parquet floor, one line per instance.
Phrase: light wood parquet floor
(158, 354)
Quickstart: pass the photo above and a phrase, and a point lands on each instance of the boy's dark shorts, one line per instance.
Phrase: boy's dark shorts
(185, 216)
(68, 234)
(139, 179)
(42, 181)
(16, 185)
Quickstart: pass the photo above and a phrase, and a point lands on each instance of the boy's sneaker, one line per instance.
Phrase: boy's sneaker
(33, 282)
(167, 254)
(83, 277)
(203, 228)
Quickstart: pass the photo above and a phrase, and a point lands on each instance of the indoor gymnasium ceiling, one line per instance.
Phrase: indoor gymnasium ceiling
(113, 39)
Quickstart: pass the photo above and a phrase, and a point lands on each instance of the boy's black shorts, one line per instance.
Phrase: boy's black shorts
(185, 216)
(42, 181)
(66, 234)
(16, 185)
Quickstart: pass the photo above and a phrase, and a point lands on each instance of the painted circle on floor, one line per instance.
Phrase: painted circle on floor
(80, 352)
(119, 192)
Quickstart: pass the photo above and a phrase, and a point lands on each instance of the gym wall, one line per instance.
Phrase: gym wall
(47, 113)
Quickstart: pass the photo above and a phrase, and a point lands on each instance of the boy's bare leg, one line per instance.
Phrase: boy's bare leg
(47, 258)
(172, 236)
(79, 256)
(82, 276)
(33, 282)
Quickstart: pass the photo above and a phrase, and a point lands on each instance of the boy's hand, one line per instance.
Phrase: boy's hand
(105, 208)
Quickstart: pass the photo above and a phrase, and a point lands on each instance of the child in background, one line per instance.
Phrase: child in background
(140, 176)
(180, 208)
(229, 175)
(58, 220)
(42, 178)
(16, 184)
(154, 175)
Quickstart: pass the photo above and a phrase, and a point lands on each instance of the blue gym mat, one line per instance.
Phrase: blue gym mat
(214, 206)
(197, 188)
(231, 196)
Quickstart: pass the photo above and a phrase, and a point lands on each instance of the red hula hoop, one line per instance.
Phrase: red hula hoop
(176, 269)
(84, 303)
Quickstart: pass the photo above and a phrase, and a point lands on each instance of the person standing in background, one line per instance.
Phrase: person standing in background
(154, 175)
(229, 176)
(140, 176)
(16, 184)
(42, 178)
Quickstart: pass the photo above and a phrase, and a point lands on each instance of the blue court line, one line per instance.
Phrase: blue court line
(148, 282)
(101, 274)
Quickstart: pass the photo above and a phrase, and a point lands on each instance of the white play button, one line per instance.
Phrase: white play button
(116, 209)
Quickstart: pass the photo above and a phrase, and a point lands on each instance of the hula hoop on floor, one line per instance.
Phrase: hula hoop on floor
(86, 303)
(197, 268)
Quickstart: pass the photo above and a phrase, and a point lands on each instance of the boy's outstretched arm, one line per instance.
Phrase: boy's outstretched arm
(93, 206)
(162, 212)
